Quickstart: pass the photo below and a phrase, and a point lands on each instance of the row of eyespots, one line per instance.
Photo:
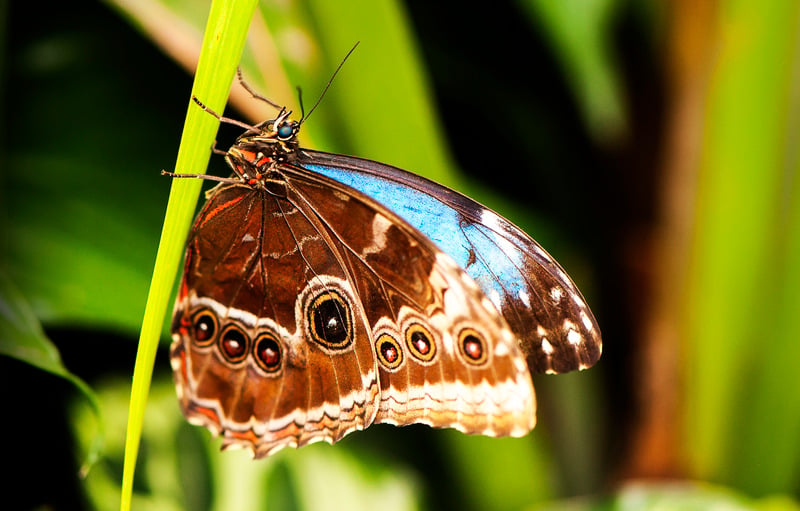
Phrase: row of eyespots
(234, 345)
(422, 347)
(330, 324)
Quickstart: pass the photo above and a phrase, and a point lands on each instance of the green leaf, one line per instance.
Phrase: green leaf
(22, 338)
(579, 34)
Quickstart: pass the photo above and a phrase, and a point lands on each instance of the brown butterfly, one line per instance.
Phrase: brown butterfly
(323, 293)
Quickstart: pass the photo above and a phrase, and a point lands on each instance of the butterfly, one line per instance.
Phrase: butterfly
(323, 293)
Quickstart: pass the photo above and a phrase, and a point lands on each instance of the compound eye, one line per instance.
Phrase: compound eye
(287, 130)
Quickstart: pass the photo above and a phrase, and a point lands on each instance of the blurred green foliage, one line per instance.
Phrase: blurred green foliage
(743, 415)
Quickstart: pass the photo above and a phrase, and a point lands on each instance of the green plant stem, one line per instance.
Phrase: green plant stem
(223, 43)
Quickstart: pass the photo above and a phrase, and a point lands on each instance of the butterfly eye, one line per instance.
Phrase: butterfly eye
(472, 346)
(420, 342)
(389, 353)
(287, 130)
(329, 320)
(233, 344)
(204, 326)
(268, 353)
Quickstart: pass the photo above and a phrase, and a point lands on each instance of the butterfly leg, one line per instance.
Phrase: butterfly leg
(252, 91)
(221, 118)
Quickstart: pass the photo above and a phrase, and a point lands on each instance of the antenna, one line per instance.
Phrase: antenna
(338, 68)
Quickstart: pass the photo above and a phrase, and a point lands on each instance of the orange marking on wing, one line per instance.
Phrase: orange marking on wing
(184, 290)
(247, 436)
(289, 431)
(211, 414)
(222, 207)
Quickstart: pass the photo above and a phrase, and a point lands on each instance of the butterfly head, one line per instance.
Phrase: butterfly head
(279, 134)
(286, 130)
(262, 146)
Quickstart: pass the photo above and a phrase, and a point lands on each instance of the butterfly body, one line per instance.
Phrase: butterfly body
(323, 293)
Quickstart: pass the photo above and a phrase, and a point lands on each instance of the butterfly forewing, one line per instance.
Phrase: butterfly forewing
(555, 327)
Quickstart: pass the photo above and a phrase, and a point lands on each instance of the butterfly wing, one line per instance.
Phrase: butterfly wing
(555, 327)
(308, 310)
(243, 363)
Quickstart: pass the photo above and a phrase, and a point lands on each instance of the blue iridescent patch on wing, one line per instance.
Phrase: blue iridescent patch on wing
(491, 260)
